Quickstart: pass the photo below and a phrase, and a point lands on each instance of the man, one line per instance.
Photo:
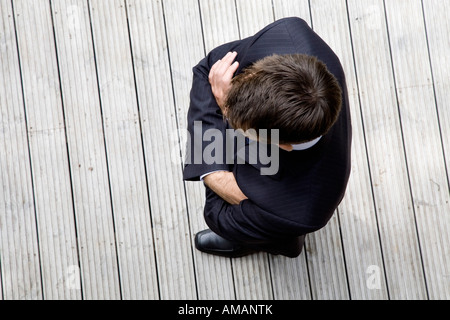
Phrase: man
(287, 81)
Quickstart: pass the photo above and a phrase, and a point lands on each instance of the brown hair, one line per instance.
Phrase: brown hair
(295, 94)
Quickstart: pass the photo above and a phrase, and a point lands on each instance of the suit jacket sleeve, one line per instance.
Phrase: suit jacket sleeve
(247, 222)
(203, 106)
(204, 109)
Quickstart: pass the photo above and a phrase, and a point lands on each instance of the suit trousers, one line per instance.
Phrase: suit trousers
(242, 235)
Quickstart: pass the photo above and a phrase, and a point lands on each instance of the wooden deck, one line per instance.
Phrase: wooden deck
(93, 102)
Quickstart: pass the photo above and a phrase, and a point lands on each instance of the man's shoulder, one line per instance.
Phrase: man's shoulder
(288, 21)
(283, 26)
(293, 21)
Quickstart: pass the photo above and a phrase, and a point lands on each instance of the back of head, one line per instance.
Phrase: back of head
(295, 94)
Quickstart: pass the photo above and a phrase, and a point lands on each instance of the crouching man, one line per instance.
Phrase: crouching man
(287, 83)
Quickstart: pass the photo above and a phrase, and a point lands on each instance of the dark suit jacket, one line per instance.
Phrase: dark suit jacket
(309, 185)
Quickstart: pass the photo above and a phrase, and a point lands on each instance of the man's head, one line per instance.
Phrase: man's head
(295, 94)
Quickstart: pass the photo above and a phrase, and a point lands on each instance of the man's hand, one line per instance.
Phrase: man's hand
(220, 77)
(224, 184)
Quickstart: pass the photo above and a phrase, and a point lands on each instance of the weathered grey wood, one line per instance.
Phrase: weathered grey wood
(292, 8)
(219, 22)
(19, 255)
(92, 201)
(253, 15)
(358, 223)
(185, 40)
(90, 161)
(133, 231)
(159, 130)
(422, 138)
(405, 279)
(325, 262)
(438, 29)
(48, 149)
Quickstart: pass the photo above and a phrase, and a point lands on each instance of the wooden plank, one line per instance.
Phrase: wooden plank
(48, 149)
(438, 28)
(253, 15)
(292, 8)
(219, 22)
(422, 138)
(88, 159)
(325, 262)
(185, 40)
(19, 255)
(356, 213)
(159, 130)
(123, 139)
(405, 278)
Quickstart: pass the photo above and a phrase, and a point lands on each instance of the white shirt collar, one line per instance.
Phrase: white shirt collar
(305, 145)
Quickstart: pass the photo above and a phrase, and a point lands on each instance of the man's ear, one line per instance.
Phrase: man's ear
(286, 146)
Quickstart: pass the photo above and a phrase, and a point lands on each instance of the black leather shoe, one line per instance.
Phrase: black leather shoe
(209, 242)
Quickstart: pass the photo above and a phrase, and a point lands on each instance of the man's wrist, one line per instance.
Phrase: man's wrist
(224, 184)
(208, 173)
